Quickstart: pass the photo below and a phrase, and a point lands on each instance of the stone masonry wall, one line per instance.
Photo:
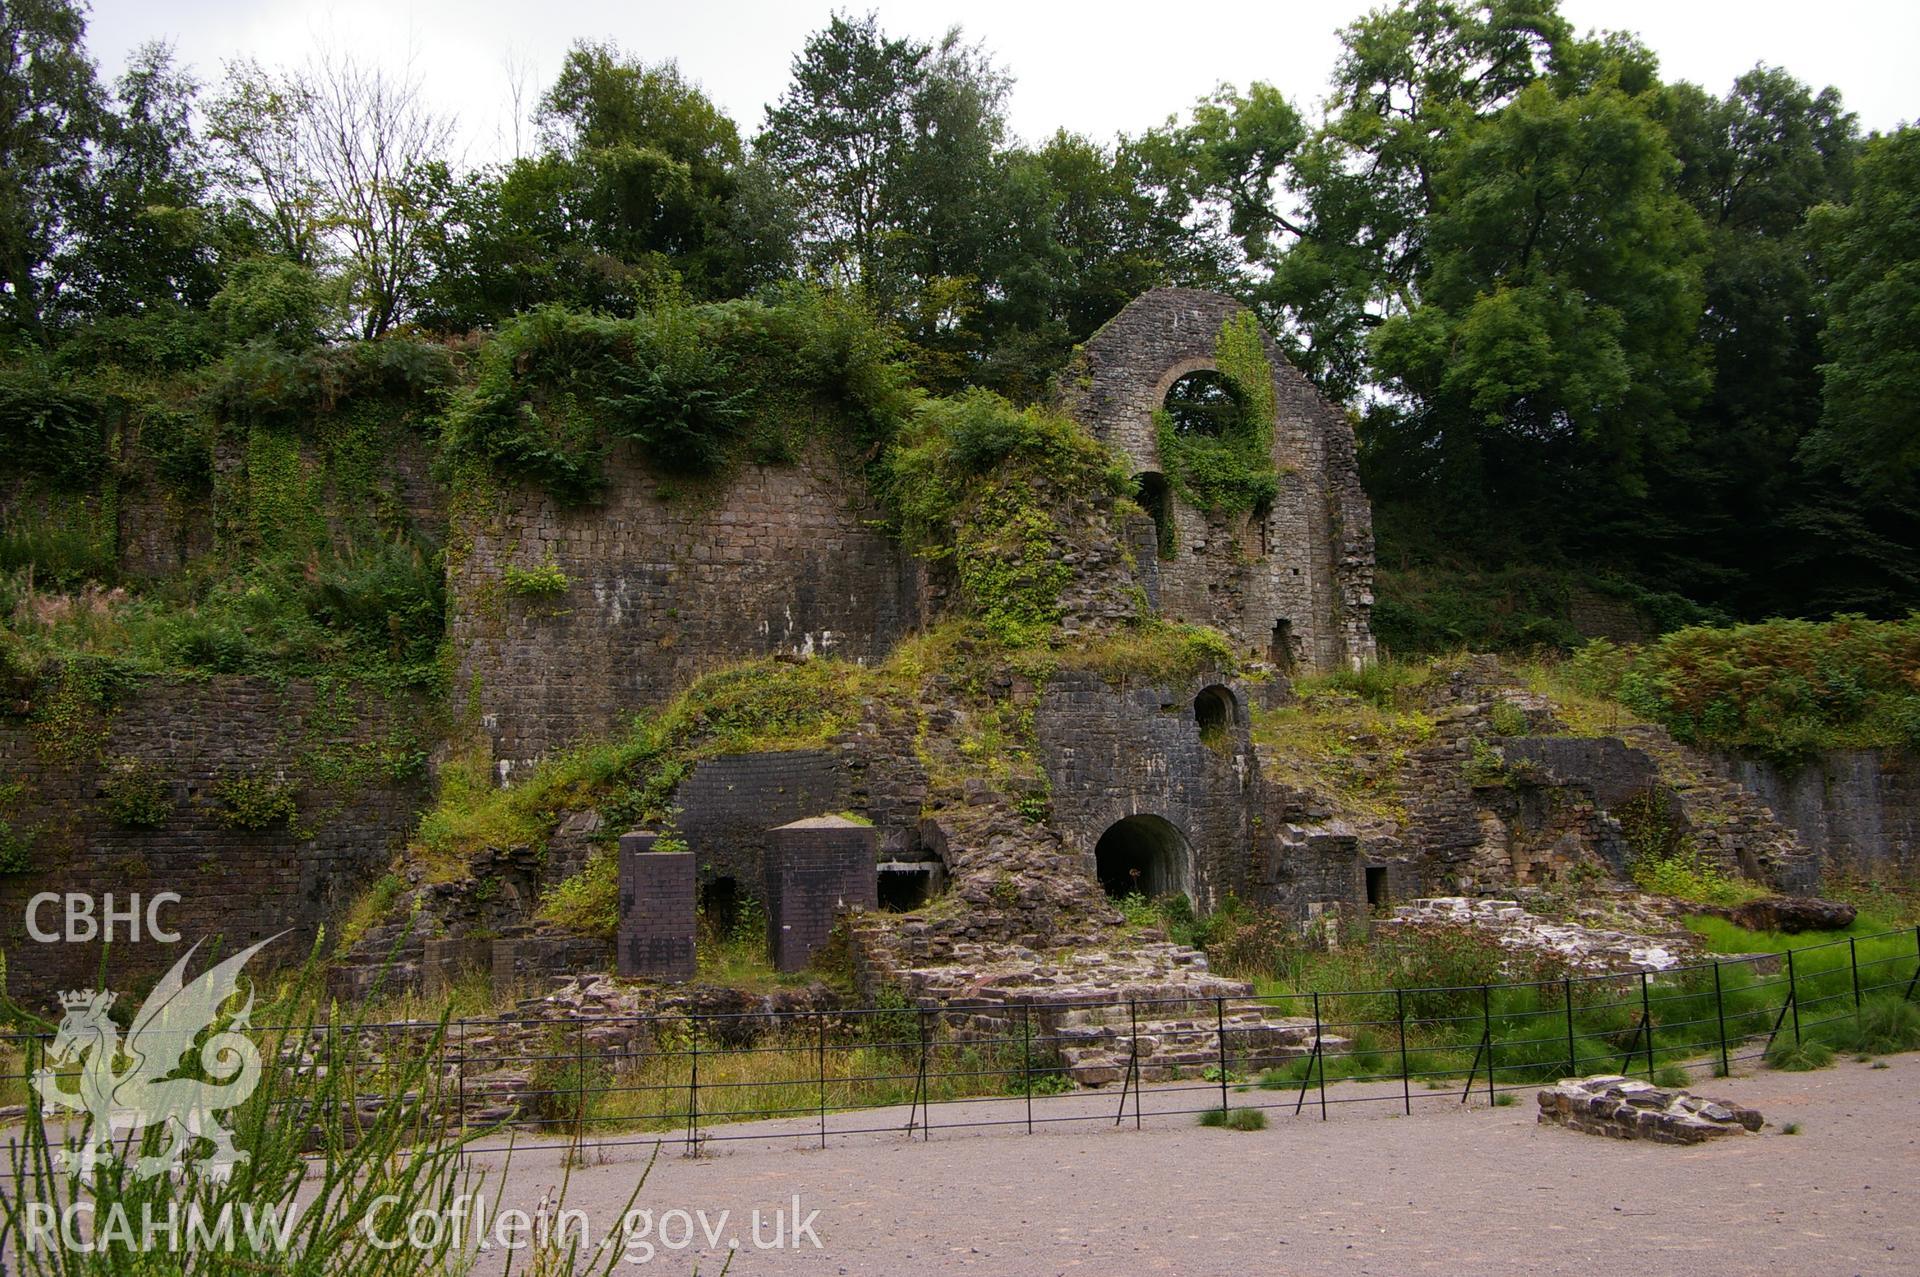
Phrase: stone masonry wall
(1134, 750)
(730, 805)
(1309, 562)
(340, 751)
(665, 584)
(1859, 809)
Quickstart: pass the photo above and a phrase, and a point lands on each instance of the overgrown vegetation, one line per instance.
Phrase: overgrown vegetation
(1219, 455)
(695, 388)
(1784, 689)
(980, 486)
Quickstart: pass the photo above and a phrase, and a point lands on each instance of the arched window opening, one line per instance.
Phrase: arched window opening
(1204, 403)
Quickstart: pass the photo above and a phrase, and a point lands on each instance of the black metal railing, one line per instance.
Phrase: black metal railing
(689, 1079)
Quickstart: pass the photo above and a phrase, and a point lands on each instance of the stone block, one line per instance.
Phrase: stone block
(816, 868)
(657, 910)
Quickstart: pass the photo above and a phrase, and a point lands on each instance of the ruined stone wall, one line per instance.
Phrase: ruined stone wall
(1309, 560)
(666, 582)
(1112, 752)
(730, 805)
(1859, 809)
(353, 762)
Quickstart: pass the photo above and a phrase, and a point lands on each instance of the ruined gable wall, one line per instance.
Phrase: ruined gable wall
(1310, 559)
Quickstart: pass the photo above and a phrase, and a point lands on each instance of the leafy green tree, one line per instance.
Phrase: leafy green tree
(892, 150)
(1724, 516)
(1410, 80)
(147, 234)
(644, 186)
(1870, 250)
(51, 113)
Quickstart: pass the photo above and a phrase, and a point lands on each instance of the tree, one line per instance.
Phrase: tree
(51, 111)
(146, 235)
(1720, 523)
(344, 166)
(1870, 249)
(258, 124)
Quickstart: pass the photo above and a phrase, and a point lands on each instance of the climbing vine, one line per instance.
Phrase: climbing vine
(1230, 472)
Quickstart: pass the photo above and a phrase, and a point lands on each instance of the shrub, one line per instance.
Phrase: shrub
(275, 300)
(1781, 688)
(50, 428)
(1672, 1076)
(137, 795)
(254, 803)
(1235, 1119)
(695, 388)
(544, 581)
(16, 848)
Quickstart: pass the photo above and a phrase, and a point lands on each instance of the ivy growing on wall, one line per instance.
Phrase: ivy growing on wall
(1228, 470)
(977, 483)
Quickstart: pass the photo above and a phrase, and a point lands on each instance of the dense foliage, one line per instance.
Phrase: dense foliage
(1606, 336)
(1784, 688)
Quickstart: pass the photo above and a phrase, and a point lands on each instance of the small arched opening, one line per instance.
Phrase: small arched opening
(1203, 403)
(1215, 710)
(1142, 855)
(1156, 498)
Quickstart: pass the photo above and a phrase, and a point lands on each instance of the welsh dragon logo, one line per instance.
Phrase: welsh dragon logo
(127, 1086)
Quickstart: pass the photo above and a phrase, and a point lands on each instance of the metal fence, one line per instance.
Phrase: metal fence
(686, 1080)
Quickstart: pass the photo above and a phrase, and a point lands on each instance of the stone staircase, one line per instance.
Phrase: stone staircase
(1728, 821)
(1181, 1041)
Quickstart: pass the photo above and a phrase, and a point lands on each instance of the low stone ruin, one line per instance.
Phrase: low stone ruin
(1582, 948)
(1611, 1104)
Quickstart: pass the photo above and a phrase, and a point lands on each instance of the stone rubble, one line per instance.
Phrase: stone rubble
(1616, 1106)
(1583, 948)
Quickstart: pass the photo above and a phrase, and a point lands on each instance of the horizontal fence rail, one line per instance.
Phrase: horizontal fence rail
(687, 1080)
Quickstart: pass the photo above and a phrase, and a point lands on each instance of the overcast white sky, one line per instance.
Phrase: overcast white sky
(1099, 69)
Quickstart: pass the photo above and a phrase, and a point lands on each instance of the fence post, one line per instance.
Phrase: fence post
(460, 1065)
(693, 1092)
(580, 1084)
(1793, 997)
(1320, 1057)
(1853, 960)
(1406, 1082)
(821, 1017)
(1026, 1057)
(1720, 1010)
(926, 1090)
(1646, 1018)
(1133, 1060)
(1573, 1055)
(1220, 1032)
(1486, 1031)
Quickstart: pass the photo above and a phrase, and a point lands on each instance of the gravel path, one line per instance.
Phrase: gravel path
(1452, 1189)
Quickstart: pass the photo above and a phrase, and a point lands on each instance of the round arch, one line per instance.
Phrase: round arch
(1145, 855)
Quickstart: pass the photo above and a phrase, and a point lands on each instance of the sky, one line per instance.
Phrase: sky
(1099, 69)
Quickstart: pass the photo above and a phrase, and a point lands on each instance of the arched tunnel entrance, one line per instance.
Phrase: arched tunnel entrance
(1147, 855)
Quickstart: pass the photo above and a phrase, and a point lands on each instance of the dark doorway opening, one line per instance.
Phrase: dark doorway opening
(1141, 855)
(1156, 498)
(720, 904)
(904, 888)
(1376, 887)
(1280, 649)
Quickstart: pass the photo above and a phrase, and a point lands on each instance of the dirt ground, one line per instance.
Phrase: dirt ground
(1452, 1189)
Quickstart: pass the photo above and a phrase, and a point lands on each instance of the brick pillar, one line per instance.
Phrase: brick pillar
(657, 906)
(815, 868)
